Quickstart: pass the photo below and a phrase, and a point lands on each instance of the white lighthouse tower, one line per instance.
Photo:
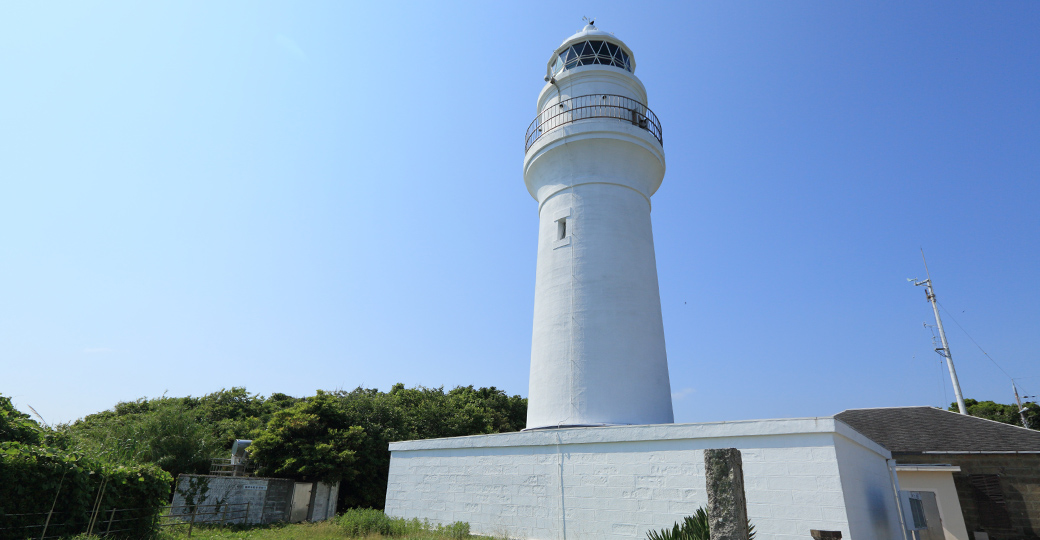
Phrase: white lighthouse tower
(594, 157)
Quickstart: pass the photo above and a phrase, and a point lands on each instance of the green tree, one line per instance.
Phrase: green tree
(1007, 414)
(417, 413)
(17, 426)
(312, 440)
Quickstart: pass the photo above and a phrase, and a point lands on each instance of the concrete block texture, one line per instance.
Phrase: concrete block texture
(250, 499)
(727, 505)
(604, 482)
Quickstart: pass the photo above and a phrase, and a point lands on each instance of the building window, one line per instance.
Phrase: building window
(592, 52)
(561, 228)
(989, 501)
(917, 513)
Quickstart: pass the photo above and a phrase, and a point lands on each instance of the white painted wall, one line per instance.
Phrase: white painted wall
(938, 480)
(867, 486)
(597, 348)
(619, 482)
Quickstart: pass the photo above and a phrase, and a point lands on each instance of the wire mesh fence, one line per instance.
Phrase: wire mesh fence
(119, 522)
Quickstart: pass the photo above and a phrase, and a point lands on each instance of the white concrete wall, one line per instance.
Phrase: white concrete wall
(619, 482)
(867, 486)
(941, 483)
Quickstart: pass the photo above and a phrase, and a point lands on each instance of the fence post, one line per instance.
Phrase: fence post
(49, 514)
(97, 507)
(111, 517)
(223, 519)
(191, 525)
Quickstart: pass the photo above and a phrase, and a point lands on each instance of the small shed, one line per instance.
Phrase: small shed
(983, 475)
(253, 500)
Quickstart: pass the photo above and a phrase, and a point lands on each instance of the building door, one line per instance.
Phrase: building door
(301, 501)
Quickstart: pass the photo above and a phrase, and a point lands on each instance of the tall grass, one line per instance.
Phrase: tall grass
(360, 522)
(357, 523)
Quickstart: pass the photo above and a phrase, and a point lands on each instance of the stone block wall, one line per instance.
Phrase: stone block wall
(254, 499)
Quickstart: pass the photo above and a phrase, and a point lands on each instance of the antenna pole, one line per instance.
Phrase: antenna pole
(945, 351)
(1021, 411)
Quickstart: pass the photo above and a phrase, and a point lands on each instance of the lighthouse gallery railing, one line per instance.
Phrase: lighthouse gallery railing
(593, 106)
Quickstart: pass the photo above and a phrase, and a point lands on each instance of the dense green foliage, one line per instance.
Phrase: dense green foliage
(1007, 414)
(312, 440)
(34, 477)
(332, 435)
(16, 426)
(418, 413)
(181, 435)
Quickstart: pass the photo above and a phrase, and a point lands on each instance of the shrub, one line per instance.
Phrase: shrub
(364, 521)
(37, 477)
(361, 522)
(16, 425)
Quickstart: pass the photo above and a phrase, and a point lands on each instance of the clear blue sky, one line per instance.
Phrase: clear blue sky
(298, 196)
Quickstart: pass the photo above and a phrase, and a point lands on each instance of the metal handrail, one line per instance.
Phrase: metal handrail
(577, 108)
(227, 467)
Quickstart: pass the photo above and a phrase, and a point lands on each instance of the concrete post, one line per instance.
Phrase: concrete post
(727, 505)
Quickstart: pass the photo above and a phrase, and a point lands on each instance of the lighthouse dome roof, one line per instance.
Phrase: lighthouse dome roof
(588, 46)
(587, 32)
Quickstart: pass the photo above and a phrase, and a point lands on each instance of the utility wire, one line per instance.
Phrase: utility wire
(975, 342)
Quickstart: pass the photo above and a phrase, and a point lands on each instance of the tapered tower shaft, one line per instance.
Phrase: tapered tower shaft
(594, 157)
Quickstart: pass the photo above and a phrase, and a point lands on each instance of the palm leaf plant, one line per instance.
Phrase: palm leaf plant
(693, 527)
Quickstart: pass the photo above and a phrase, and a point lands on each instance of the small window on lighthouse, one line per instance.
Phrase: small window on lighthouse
(561, 228)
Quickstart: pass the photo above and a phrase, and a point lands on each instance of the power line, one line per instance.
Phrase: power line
(975, 342)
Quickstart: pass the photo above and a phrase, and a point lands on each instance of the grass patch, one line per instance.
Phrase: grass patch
(358, 522)
(355, 524)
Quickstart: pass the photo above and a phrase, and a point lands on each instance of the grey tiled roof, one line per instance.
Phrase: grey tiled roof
(928, 429)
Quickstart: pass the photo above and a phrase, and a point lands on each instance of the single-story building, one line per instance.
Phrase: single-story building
(983, 475)
(618, 482)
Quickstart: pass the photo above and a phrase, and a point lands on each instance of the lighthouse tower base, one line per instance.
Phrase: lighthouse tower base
(619, 482)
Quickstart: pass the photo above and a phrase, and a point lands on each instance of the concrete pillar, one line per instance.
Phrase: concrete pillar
(727, 505)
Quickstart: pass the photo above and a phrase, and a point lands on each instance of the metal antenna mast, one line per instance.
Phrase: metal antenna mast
(1021, 411)
(945, 350)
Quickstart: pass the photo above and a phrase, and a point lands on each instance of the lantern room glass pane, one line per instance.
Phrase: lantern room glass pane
(592, 52)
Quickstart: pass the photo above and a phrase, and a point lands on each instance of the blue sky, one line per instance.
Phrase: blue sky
(294, 197)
